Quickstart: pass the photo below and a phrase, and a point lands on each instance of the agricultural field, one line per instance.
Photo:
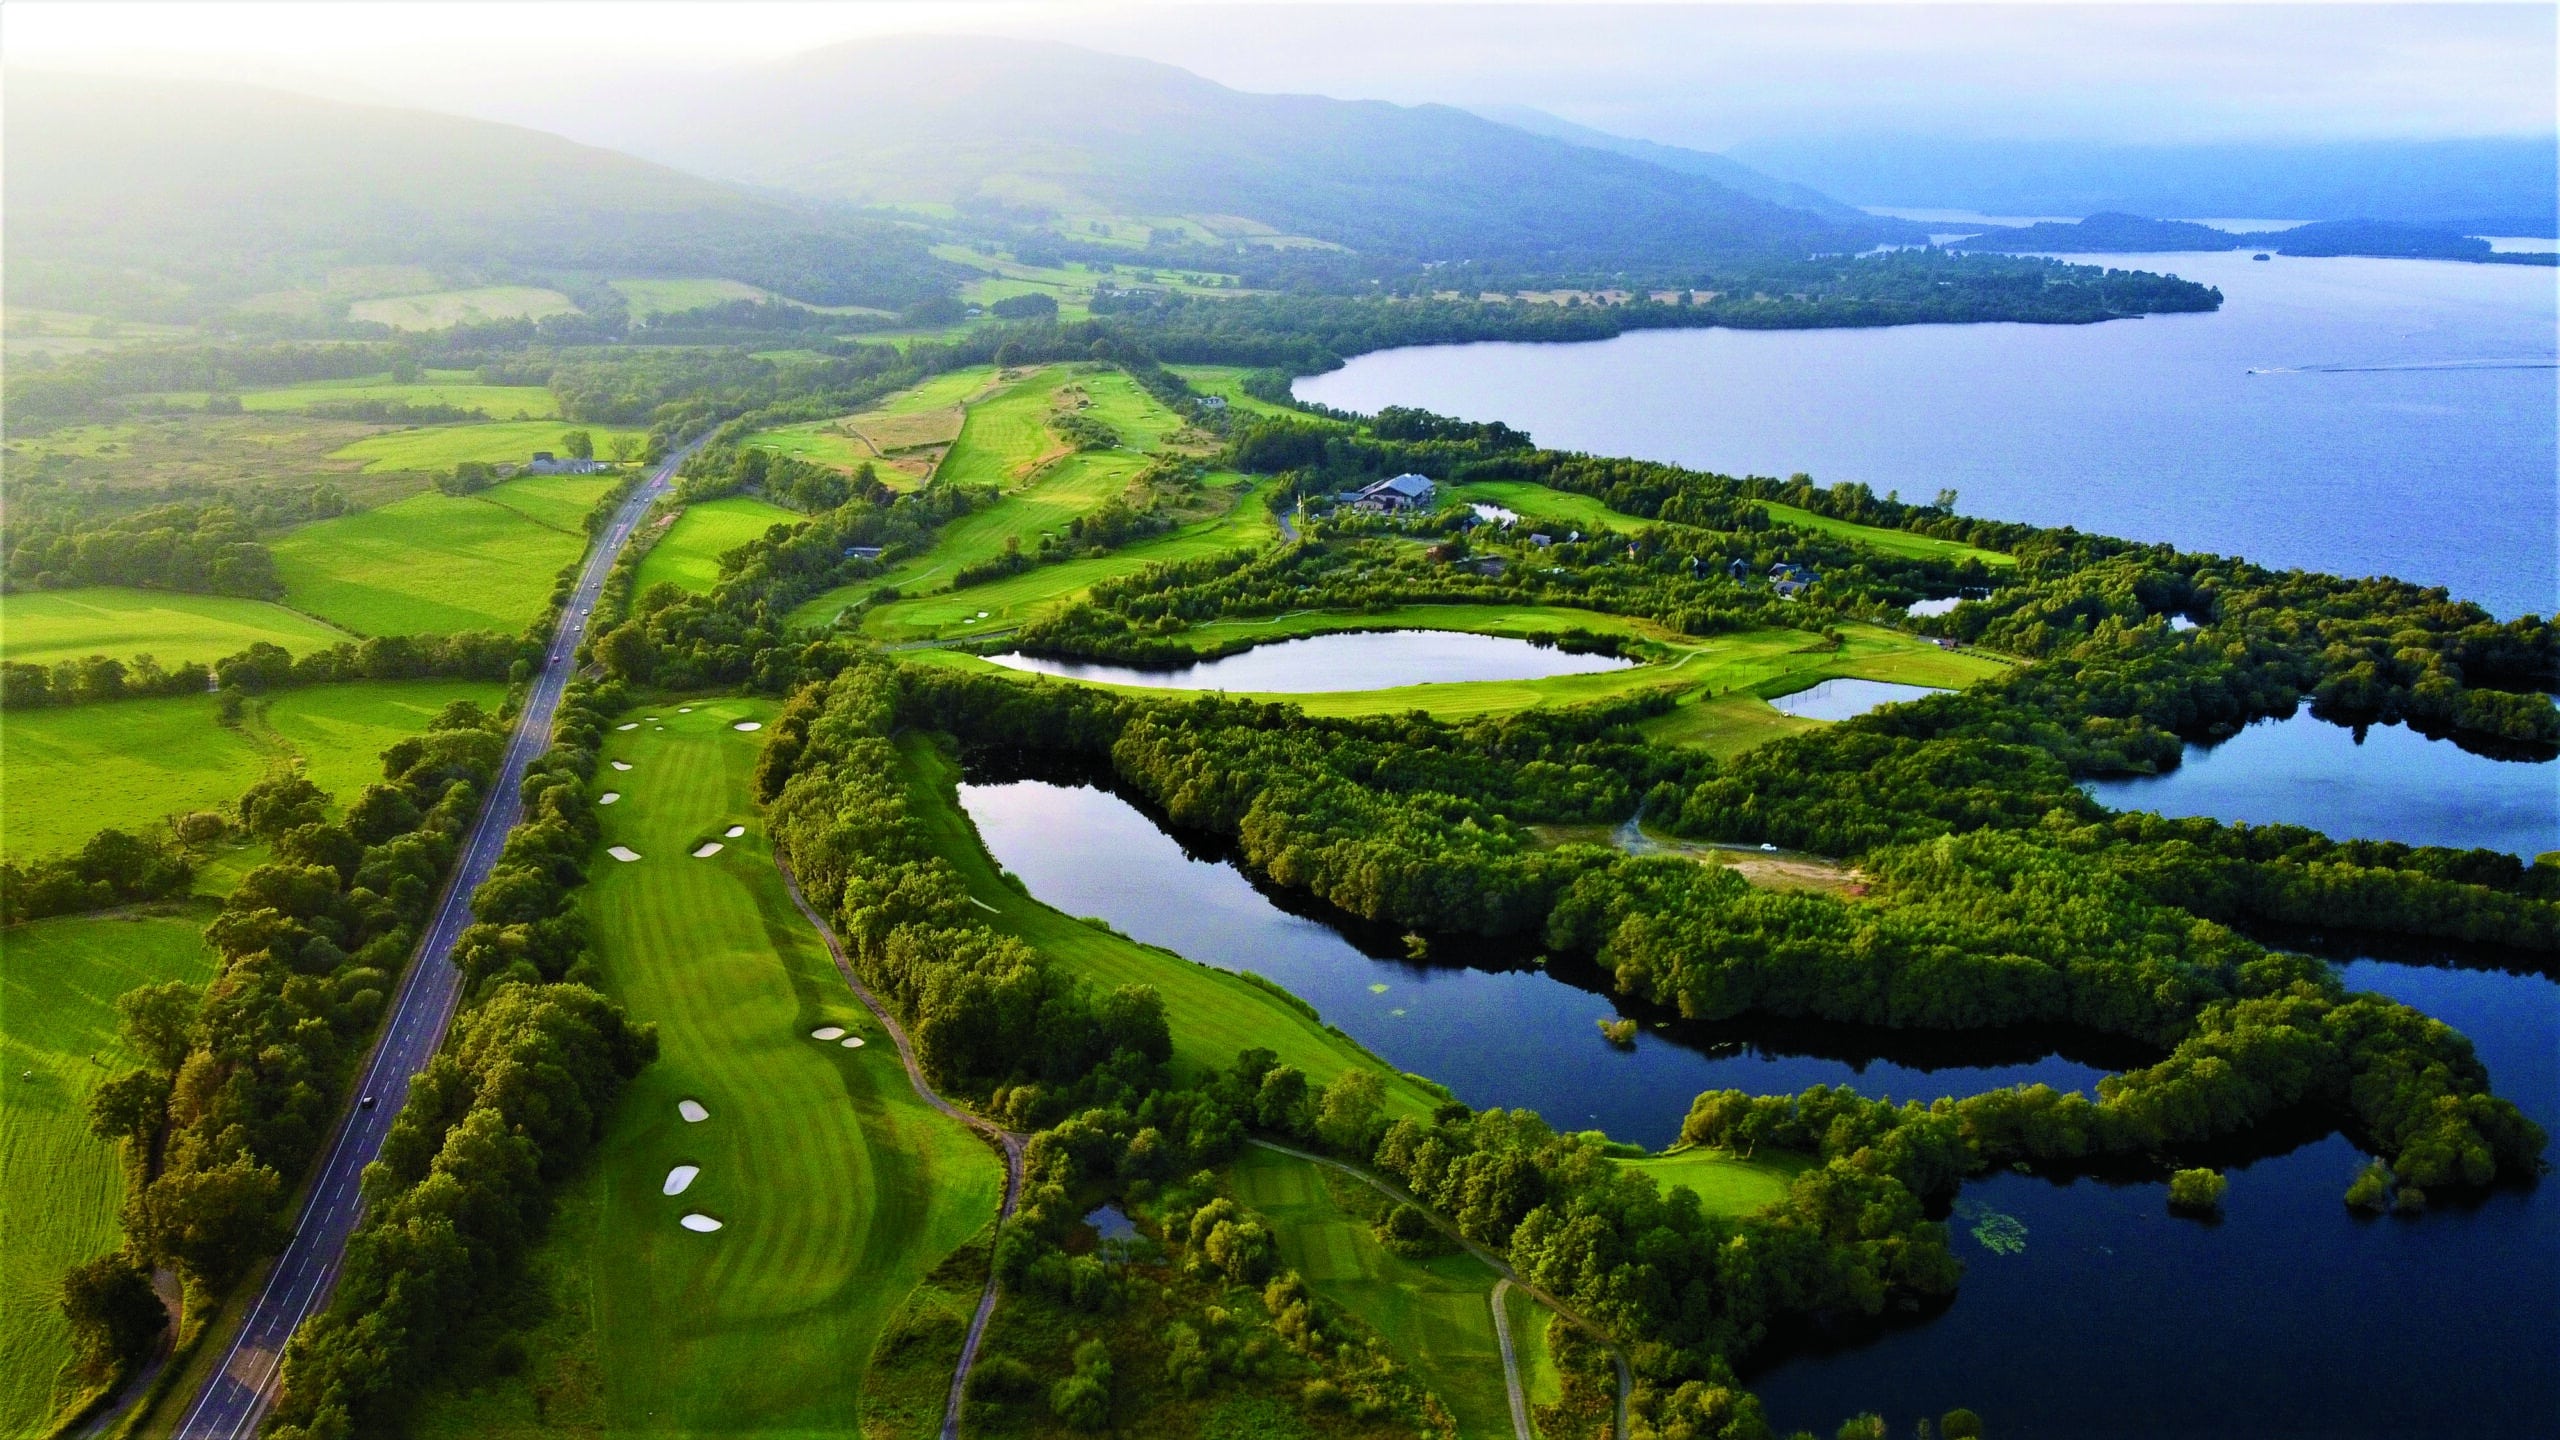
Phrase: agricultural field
(127, 764)
(35, 331)
(1903, 543)
(1435, 1315)
(902, 438)
(457, 388)
(439, 564)
(43, 626)
(837, 1189)
(659, 297)
(689, 554)
(444, 309)
(1227, 381)
(438, 448)
(188, 452)
(59, 1185)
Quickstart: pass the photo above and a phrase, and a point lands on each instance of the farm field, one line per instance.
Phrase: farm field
(837, 1188)
(212, 452)
(43, 626)
(443, 309)
(457, 388)
(689, 554)
(927, 416)
(1435, 1315)
(1213, 1013)
(436, 563)
(59, 1185)
(126, 764)
(1903, 543)
(437, 448)
(658, 297)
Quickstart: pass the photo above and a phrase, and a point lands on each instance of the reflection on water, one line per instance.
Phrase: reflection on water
(1843, 699)
(1374, 660)
(2381, 782)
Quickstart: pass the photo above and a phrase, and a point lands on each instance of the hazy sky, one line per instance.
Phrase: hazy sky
(1709, 76)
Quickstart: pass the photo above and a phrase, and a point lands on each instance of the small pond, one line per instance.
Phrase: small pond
(1842, 699)
(1479, 1016)
(1369, 660)
(2381, 782)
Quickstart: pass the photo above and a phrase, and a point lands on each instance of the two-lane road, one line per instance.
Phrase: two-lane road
(238, 1394)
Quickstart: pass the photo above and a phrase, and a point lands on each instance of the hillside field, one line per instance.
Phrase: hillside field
(438, 448)
(42, 626)
(437, 563)
(457, 388)
(444, 309)
(689, 554)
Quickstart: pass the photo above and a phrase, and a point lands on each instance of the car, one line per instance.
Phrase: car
(365, 1104)
(1765, 845)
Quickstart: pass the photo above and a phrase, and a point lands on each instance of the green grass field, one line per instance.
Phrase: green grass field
(689, 554)
(1891, 542)
(42, 626)
(1540, 1382)
(436, 563)
(59, 1185)
(74, 771)
(1534, 502)
(1435, 1315)
(837, 1188)
(1725, 1184)
(657, 297)
(444, 309)
(438, 448)
(1214, 1014)
(458, 389)
(1227, 381)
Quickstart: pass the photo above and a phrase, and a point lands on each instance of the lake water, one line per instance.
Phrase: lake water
(2383, 782)
(2350, 415)
(1478, 1016)
(1375, 660)
(1843, 699)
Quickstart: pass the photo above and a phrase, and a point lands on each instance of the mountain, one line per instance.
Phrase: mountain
(1071, 137)
(123, 191)
(1719, 168)
(2411, 181)
(2102, 234)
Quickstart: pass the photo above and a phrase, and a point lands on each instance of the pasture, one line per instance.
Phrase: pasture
(689, 554)
(444, 309)
(659, 297)
(837, 1188)
(212, 453)
(903, 438)
(1435, 1315)
(437, 563)
(457, 388)
(127, 764)
(438, 448)
(1214, 1014)
(40, 627)
(59, 1185)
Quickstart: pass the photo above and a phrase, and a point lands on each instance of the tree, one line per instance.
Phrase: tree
(212, 1223)
(2198, 1191)
(115, 1315)
(625, 449)
(1960, 1424)
(271, 807)
(159, 1022)
(133, 1106)
(578, 445)
(1352, 1114)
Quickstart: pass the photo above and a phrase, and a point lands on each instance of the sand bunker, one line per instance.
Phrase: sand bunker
(678, 1179)
(699, 1223)
(853, 1042)
(692, 1111)
(706, 850)
(748, 725)
(621, 764)
(634, 725)
(827, 1032)
(623, 853)
(684, 709)
(608, 797)
(737, 830)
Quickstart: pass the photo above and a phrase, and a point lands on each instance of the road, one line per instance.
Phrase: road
(1010, 1141)
(237, 1396)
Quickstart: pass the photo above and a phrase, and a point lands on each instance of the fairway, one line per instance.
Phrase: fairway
(444, 309)
(127, 764)
(1533, 502)
(59, 1185)
(1725, 1184)
(40, 627)
(1907, 544)
(438, 448)
(837, 1188)
(435, 563)
(1436, 1315)
(689, 554)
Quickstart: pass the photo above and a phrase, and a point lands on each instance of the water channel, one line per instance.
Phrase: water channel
(1350, 660)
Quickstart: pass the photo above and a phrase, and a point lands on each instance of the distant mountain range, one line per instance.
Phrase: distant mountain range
(1724, 170)
(2132, 234)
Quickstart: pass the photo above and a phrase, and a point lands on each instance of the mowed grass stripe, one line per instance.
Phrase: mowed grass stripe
(40, 627)
(430, 564)
(689, 555)
(837, 1189)
(60, 1186)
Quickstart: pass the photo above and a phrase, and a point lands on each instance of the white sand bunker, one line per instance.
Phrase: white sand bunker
(684, 709)
(608, 797)
(621, 764)
(623, 853)
(827, 1032)
(853, 1042)
(737, 830)
(692, 1111)
(706, 849)
(634, 725)
(699, 1223)
(748, 725)
(678, 1179)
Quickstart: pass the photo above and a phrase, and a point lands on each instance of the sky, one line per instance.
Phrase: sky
(1705, 76)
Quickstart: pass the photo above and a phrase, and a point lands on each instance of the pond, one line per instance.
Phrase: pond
(2291, 1316)
(1842, 699)
(2381, 782)
(1363, 660)
(1480, 1017)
